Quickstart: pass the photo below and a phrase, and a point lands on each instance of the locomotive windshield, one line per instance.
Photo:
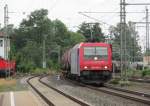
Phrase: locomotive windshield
(100, 53)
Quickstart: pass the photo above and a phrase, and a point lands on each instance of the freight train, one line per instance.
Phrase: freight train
(88, 62)
(7, 67)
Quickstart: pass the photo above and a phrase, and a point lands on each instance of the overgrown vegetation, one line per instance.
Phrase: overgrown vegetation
(115, 81)
(27, 41)
(133, 49)
(146, 73)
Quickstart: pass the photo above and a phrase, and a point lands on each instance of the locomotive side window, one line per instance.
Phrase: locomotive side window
(1, 43)
(101, 53)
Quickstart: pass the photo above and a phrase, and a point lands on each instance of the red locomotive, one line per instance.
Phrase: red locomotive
(89, 62)
(7, 67)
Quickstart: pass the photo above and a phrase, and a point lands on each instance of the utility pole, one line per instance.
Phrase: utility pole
(122, 36)
(147, 34)
(90, 26)
(6, 38)
(134, 43)
(91, 34)
(44, 52)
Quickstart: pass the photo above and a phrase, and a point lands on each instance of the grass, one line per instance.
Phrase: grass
(137, 73)
(119, 82)
(40, 71)
(146, 73)
(114, 81)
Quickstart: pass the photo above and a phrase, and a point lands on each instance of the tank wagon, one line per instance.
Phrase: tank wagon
(7, 66)
(88, 62)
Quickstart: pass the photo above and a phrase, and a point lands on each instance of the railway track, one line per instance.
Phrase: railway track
(139, 80)
(124, 93)
(53, 96)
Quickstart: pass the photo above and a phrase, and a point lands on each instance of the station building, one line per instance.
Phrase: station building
(2, 45)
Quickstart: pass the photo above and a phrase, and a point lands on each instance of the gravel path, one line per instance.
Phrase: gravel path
(93, 97)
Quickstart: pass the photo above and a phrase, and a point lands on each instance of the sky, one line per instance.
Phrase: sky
(68, 12)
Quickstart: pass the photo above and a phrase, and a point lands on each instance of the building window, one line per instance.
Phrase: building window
(1, 43)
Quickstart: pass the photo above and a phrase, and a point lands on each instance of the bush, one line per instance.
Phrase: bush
(26, 67)
(115, 81)
(53, 65)
(40, 71)
(120, 82)
(146, 72)
(124, 83)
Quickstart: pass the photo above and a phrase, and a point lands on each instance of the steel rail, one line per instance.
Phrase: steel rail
(139, 80)
(128, 91)
(131, 95)
(64, 94)
(39, 93)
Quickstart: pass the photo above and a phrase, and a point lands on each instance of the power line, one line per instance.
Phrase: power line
(141, 22)
(94, 19)
(134, 3)
(109, 12)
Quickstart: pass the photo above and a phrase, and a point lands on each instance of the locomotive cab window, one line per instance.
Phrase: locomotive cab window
(96, 53)
(1, 43)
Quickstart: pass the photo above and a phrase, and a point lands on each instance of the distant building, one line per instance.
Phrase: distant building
(2, 45)
(146, 60)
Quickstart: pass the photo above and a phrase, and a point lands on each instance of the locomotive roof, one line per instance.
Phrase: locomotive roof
(91, 44)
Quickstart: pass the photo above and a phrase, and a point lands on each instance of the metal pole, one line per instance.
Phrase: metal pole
(134, 44)
(123, 52)
(6, 34)
(44, 55)
(121, 66)
(91, 32)
(125, 37)
(59, 57)
(6, 37)
(121, 36)
(147, 35)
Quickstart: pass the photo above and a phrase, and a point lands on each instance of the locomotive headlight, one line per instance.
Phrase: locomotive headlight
(105, 67)
(85, 67)
(95, 58)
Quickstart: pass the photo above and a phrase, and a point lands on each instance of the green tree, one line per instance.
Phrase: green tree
(133, 50)
(28, 40)
(92, 32)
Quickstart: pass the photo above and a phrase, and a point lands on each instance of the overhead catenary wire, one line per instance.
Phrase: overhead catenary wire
(134, 3)
(109, 12)
(101, 22)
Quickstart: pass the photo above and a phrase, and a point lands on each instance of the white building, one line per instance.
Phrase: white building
(2, 45)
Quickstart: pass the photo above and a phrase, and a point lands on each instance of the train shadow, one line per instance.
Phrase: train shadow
(95, 84)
